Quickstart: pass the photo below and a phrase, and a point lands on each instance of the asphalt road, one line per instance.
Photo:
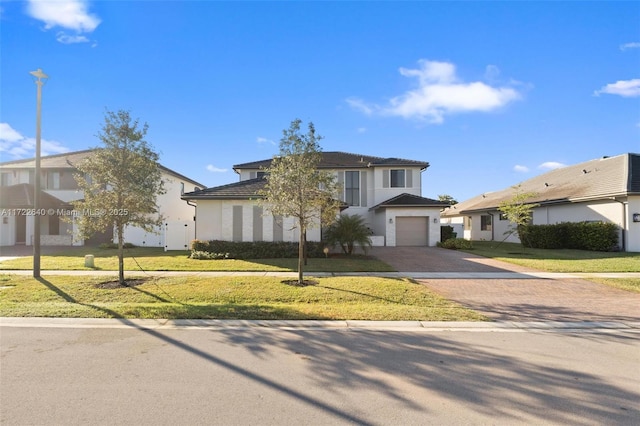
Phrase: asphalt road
(320, 376)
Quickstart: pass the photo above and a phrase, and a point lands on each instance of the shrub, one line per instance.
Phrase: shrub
(456, 244)
(348, 231)
(595, 236)
(446, 233)
(256, 249)
(205, 255)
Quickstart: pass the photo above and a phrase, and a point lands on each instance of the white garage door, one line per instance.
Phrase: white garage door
(412, 231)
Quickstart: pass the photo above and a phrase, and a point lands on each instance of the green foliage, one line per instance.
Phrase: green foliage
(120, 181)
(456, 244)
(446, 233)
(347, 232)
(253, 250)
(517, 210)
(296, 188)
(594, 236)
(447, 199)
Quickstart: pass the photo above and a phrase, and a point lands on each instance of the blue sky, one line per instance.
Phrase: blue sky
(489, 93)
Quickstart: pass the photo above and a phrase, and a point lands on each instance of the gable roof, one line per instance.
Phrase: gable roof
(409, 200)
(602, 178)
(343, 160)
(244, 190)
(68, 160)
(21, 196)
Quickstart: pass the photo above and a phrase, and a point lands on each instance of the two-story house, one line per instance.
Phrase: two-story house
(59, 189)
(386, 192)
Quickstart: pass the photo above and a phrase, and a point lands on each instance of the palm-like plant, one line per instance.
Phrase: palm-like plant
(348, 231)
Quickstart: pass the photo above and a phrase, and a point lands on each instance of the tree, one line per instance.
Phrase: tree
(447, 199)
(296, 188)
(517, 210)
(348, 231)
(121, 181)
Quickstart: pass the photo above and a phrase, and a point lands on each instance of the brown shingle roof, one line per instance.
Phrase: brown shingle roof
(20, 196)
(409, 200)
(245, 189)
(340, 160)
(596, 179)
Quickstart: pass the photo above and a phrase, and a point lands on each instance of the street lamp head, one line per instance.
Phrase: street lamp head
(38, 74)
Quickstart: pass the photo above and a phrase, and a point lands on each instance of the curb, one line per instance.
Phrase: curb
(431, 326)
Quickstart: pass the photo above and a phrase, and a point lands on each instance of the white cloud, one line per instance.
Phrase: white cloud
(69, 39)
(633, 45)
(68, 14)
(520, 169)
(17, 146)
(550, 165)
(361, 130)
(262, 140)
(439, 93)
(625, 88)
(214, 169)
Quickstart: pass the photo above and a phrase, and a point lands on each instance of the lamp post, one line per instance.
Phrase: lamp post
(40, 77)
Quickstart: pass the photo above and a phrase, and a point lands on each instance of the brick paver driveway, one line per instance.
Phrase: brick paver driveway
(513, 299)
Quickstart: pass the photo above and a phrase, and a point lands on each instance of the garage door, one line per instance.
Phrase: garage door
(412, 231)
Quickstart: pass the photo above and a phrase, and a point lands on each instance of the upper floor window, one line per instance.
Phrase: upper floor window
(53, 180)
(352, 188)
(261, 174)
(398, 178)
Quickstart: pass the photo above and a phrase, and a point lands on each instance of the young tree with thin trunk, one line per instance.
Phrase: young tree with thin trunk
(121, 181)
(296, 188)
(518, 211)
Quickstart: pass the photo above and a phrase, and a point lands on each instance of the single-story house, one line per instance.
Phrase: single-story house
(386, 192)
(606, 189)
(59, 189)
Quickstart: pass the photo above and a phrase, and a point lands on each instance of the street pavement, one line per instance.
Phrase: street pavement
(120, 372)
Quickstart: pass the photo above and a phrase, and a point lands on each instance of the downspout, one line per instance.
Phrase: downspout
(195, 222)
(624, 223)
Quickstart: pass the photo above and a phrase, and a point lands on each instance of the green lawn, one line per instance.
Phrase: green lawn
(337, 298)
(155, 259)
(558, 260)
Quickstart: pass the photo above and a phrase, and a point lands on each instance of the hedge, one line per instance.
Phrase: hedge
(594, 236)
(253, 250)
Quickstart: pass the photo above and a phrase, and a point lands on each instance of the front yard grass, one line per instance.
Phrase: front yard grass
(558, 260)
(335, 298)
(156, 259)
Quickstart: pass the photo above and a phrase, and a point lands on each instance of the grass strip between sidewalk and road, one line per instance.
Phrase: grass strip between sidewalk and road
(332, 298)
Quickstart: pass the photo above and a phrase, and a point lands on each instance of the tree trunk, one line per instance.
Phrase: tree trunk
(120, 255)
(301, 258)
(306, 255)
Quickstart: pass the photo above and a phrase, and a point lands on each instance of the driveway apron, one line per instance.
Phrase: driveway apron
(513, 299)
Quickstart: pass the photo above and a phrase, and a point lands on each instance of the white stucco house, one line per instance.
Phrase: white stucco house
(59, 188)
(605, 189)
(384, 191)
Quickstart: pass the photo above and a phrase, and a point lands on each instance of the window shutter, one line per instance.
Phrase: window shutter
(409, 178)
(385, 178)
(363, 188)
(252, 175)
(341, 183)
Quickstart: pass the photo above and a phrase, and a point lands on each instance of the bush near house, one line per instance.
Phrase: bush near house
(456, 244)
(446, 233)
(251, 250)
(594, 236)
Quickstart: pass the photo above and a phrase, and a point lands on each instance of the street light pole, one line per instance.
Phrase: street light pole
(40, 76)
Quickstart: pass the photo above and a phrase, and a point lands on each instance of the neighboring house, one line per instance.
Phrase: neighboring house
(59, 188)
(606, 189)
(384, 191)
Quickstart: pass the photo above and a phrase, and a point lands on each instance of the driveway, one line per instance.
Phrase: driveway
(513, 299)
